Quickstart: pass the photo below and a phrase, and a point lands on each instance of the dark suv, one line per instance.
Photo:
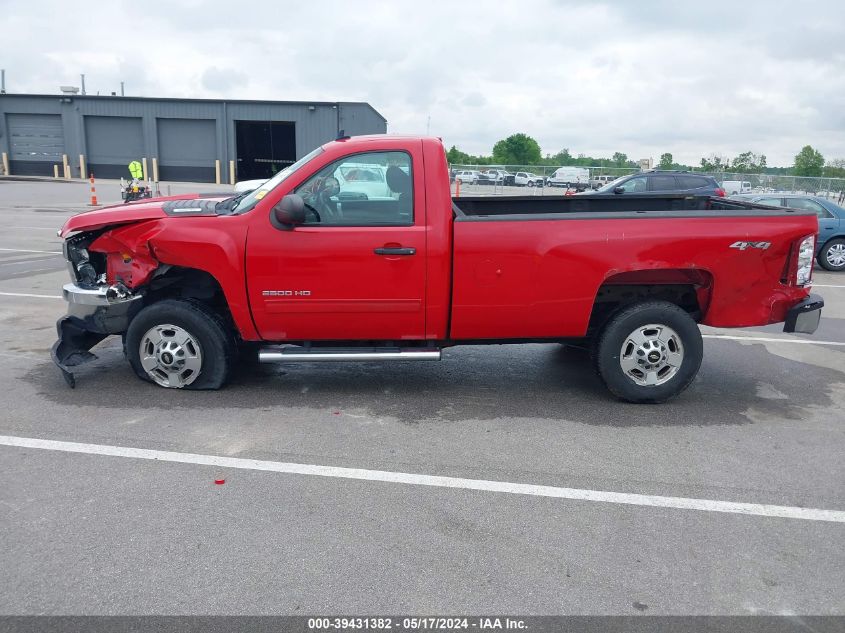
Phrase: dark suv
(656, 181)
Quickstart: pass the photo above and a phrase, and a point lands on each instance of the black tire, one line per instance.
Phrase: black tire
(823, 254)
(608, 352)
(216, 342)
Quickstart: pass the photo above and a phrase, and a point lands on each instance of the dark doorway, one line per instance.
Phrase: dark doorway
(264, 147)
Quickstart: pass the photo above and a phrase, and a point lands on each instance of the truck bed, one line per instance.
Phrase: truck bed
(598, 205)
(533, 266)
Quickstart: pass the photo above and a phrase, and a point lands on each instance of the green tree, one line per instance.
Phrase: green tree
(749, 163)
(808, 162)
(563, 157)
(517, 149)
(666, 161)
(619, 159)
(456, 157)
(835, 168)
(714, 163)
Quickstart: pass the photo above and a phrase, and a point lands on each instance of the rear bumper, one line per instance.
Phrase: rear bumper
(804, 317)
(93, 314)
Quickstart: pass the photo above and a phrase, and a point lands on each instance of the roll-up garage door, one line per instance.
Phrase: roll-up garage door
(187, 149)
(113, 142)
(36, 143)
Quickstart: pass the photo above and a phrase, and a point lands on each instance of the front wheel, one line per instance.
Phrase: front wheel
(180, 345)
(649, 352)
(832, 255)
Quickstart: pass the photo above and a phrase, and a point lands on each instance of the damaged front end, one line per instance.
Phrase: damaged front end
(99, 302)
(93, 314)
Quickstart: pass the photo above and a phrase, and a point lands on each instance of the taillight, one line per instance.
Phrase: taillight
(720, 192)
(804, 270)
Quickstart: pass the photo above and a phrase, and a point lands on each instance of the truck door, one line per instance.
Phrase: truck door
(355, 270)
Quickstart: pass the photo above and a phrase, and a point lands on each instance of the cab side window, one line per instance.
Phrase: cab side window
(368, 189)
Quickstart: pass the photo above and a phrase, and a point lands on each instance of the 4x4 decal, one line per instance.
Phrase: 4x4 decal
(745, 245)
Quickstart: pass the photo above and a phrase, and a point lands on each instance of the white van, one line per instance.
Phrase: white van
(569, 177)
(733, 187)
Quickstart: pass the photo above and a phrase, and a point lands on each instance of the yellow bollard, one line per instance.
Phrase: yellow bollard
(217, 171)
(144, 166)
(66, 167)
(155, 169)
(5, 163)
(81, 166)
(55, 171)
(231, 172)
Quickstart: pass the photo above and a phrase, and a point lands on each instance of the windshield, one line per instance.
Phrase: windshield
(252, 198)
(611, 185)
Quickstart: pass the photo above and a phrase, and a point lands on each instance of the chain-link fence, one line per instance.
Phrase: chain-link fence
(766, 183)
(523, 180)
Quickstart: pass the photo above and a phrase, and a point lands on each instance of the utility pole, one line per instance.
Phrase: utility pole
(428, 126)
(82, 78)
(121, 89)
(2, 81)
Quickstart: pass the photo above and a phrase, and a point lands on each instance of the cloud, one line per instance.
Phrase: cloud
(223, 80)
(642, 78)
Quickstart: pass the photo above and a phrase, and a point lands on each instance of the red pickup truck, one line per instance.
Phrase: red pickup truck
(358, 252)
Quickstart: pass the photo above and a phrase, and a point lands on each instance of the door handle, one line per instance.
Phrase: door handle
(397, 250)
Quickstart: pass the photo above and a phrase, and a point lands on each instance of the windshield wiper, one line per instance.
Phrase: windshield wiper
(231, 204)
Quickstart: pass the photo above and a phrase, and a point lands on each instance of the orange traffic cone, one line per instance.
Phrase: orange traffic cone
(93, 202)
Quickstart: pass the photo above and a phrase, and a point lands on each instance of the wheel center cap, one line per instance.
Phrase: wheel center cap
(653, 357)
(167, 358)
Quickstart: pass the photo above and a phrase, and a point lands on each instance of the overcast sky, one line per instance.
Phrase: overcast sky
(641, 77)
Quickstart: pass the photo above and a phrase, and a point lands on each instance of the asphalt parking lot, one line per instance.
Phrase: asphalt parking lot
(118, 531)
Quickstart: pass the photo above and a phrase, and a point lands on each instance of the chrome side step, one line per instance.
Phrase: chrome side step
(297, 354)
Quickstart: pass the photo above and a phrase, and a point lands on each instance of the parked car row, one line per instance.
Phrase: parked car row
(578, 178)
(569, 177)
(487, 177)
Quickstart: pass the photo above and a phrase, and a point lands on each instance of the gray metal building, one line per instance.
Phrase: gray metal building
(185, 136)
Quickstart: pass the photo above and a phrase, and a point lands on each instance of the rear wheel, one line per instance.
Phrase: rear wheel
(648, 352)
(832, 255)
(180, 345)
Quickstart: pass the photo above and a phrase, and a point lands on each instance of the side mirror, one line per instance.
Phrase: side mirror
(288, 212)
(619, 190)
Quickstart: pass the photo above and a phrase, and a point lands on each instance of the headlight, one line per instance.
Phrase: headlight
(76, 253)
(806, 250)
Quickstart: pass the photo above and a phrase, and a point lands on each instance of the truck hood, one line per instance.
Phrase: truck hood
(155, 209)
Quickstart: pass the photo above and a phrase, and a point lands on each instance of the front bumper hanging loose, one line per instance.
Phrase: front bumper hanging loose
(93, 314)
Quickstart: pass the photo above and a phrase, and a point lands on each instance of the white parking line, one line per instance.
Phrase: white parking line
(24, 250)
(826, 286)
(17, 262)
(37, 228)
(682, 503)
(24, 294)
(760, 339)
